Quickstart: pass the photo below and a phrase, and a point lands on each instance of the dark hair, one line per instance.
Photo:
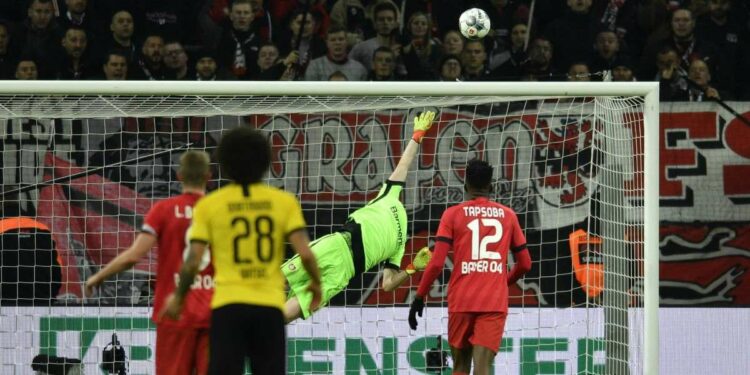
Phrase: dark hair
(382, 49)
(31, 2)
(238, 2)
(244, 155)
(445, 59)
(111, 53)
(335, 29)
(384, 5)
(478, 174)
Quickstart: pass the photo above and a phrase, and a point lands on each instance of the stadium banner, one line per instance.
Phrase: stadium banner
(378, 340)
(336, 161)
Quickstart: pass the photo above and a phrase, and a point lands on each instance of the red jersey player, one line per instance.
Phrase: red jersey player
(480, 232)
(182, 345)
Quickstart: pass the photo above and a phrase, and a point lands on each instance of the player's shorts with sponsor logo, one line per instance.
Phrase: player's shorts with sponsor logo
(334, 257)
(476, 328)
(180, 350)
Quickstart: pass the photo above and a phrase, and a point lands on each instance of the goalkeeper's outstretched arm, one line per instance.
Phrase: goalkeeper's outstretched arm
(422, 124)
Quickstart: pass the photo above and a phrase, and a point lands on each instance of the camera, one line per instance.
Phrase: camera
(114, 360)
(436, 358)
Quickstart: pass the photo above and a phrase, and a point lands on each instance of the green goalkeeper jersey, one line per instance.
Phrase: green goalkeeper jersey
(383, 225)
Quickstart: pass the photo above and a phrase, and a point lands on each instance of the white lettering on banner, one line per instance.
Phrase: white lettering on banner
(344, 157)
(329, 148)
(23, 145)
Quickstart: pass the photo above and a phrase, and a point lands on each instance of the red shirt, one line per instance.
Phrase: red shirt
(169, 221)
(480, 232)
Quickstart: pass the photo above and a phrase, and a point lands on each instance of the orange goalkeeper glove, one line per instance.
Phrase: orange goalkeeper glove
(419, 263)
(422, 124)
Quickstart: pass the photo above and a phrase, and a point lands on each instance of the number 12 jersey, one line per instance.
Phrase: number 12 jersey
(480, 233)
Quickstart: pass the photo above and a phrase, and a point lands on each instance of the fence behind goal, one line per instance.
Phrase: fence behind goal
(575, 161)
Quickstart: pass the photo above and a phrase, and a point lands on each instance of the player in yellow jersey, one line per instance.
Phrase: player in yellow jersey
(246, 224)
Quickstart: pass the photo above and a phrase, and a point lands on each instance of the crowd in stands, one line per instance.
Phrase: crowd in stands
(697, 49)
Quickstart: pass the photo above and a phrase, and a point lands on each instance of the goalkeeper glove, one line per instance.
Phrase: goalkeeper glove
(419, 263)
(417, 307)
(422, 124)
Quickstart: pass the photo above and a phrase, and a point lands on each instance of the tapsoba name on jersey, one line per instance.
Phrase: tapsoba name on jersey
(484, 211)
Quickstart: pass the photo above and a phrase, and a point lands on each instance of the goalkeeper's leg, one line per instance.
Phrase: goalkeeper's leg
(336, 269)
(292, 310)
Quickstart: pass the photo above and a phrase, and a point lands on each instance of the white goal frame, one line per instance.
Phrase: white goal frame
(648, 90)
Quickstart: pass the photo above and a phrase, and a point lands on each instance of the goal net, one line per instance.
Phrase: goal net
(85, 161)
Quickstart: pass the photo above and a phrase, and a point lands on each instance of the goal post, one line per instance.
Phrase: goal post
(568, 155)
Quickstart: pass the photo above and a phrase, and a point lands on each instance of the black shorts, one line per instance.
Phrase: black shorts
(240, 331)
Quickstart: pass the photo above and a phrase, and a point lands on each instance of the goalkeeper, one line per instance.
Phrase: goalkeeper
(373, 234)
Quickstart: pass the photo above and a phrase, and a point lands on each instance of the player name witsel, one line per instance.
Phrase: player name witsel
(484, 211)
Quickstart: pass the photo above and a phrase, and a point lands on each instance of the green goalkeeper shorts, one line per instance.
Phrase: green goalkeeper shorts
(334, 257)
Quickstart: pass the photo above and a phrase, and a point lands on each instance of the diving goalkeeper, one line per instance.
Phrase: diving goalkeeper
(373, 234)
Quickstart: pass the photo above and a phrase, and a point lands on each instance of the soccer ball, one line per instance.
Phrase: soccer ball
(474, 23)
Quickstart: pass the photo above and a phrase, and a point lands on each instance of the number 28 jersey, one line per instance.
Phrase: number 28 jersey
(247, 229)
(480, 232)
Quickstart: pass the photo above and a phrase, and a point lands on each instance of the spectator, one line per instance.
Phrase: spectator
(239, 43)
(622, 70)
(311, 46)
(219, 9)
(443, 14)
(336, 59)
(473, 61)
(349, 15)
(504, 17)
(698, 86)
(453, 43)
(176, 61)
(515, 57)
(75, 63)
(607, 49)
(121, 38)
(384, 65)
(272, 68)
(385, 20)
(683, 40)
(579, 71)
(39, 36)
(150, 65)
(115, 67)
(422, 54)
(6, 56)
(670, 74)
(338, 76)
(450, 68)
(267, 57)
(539, 67)
(76, 16)
(26, 69)
(572, 35)
(622, 18)
(722, 26)
(206, 68)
